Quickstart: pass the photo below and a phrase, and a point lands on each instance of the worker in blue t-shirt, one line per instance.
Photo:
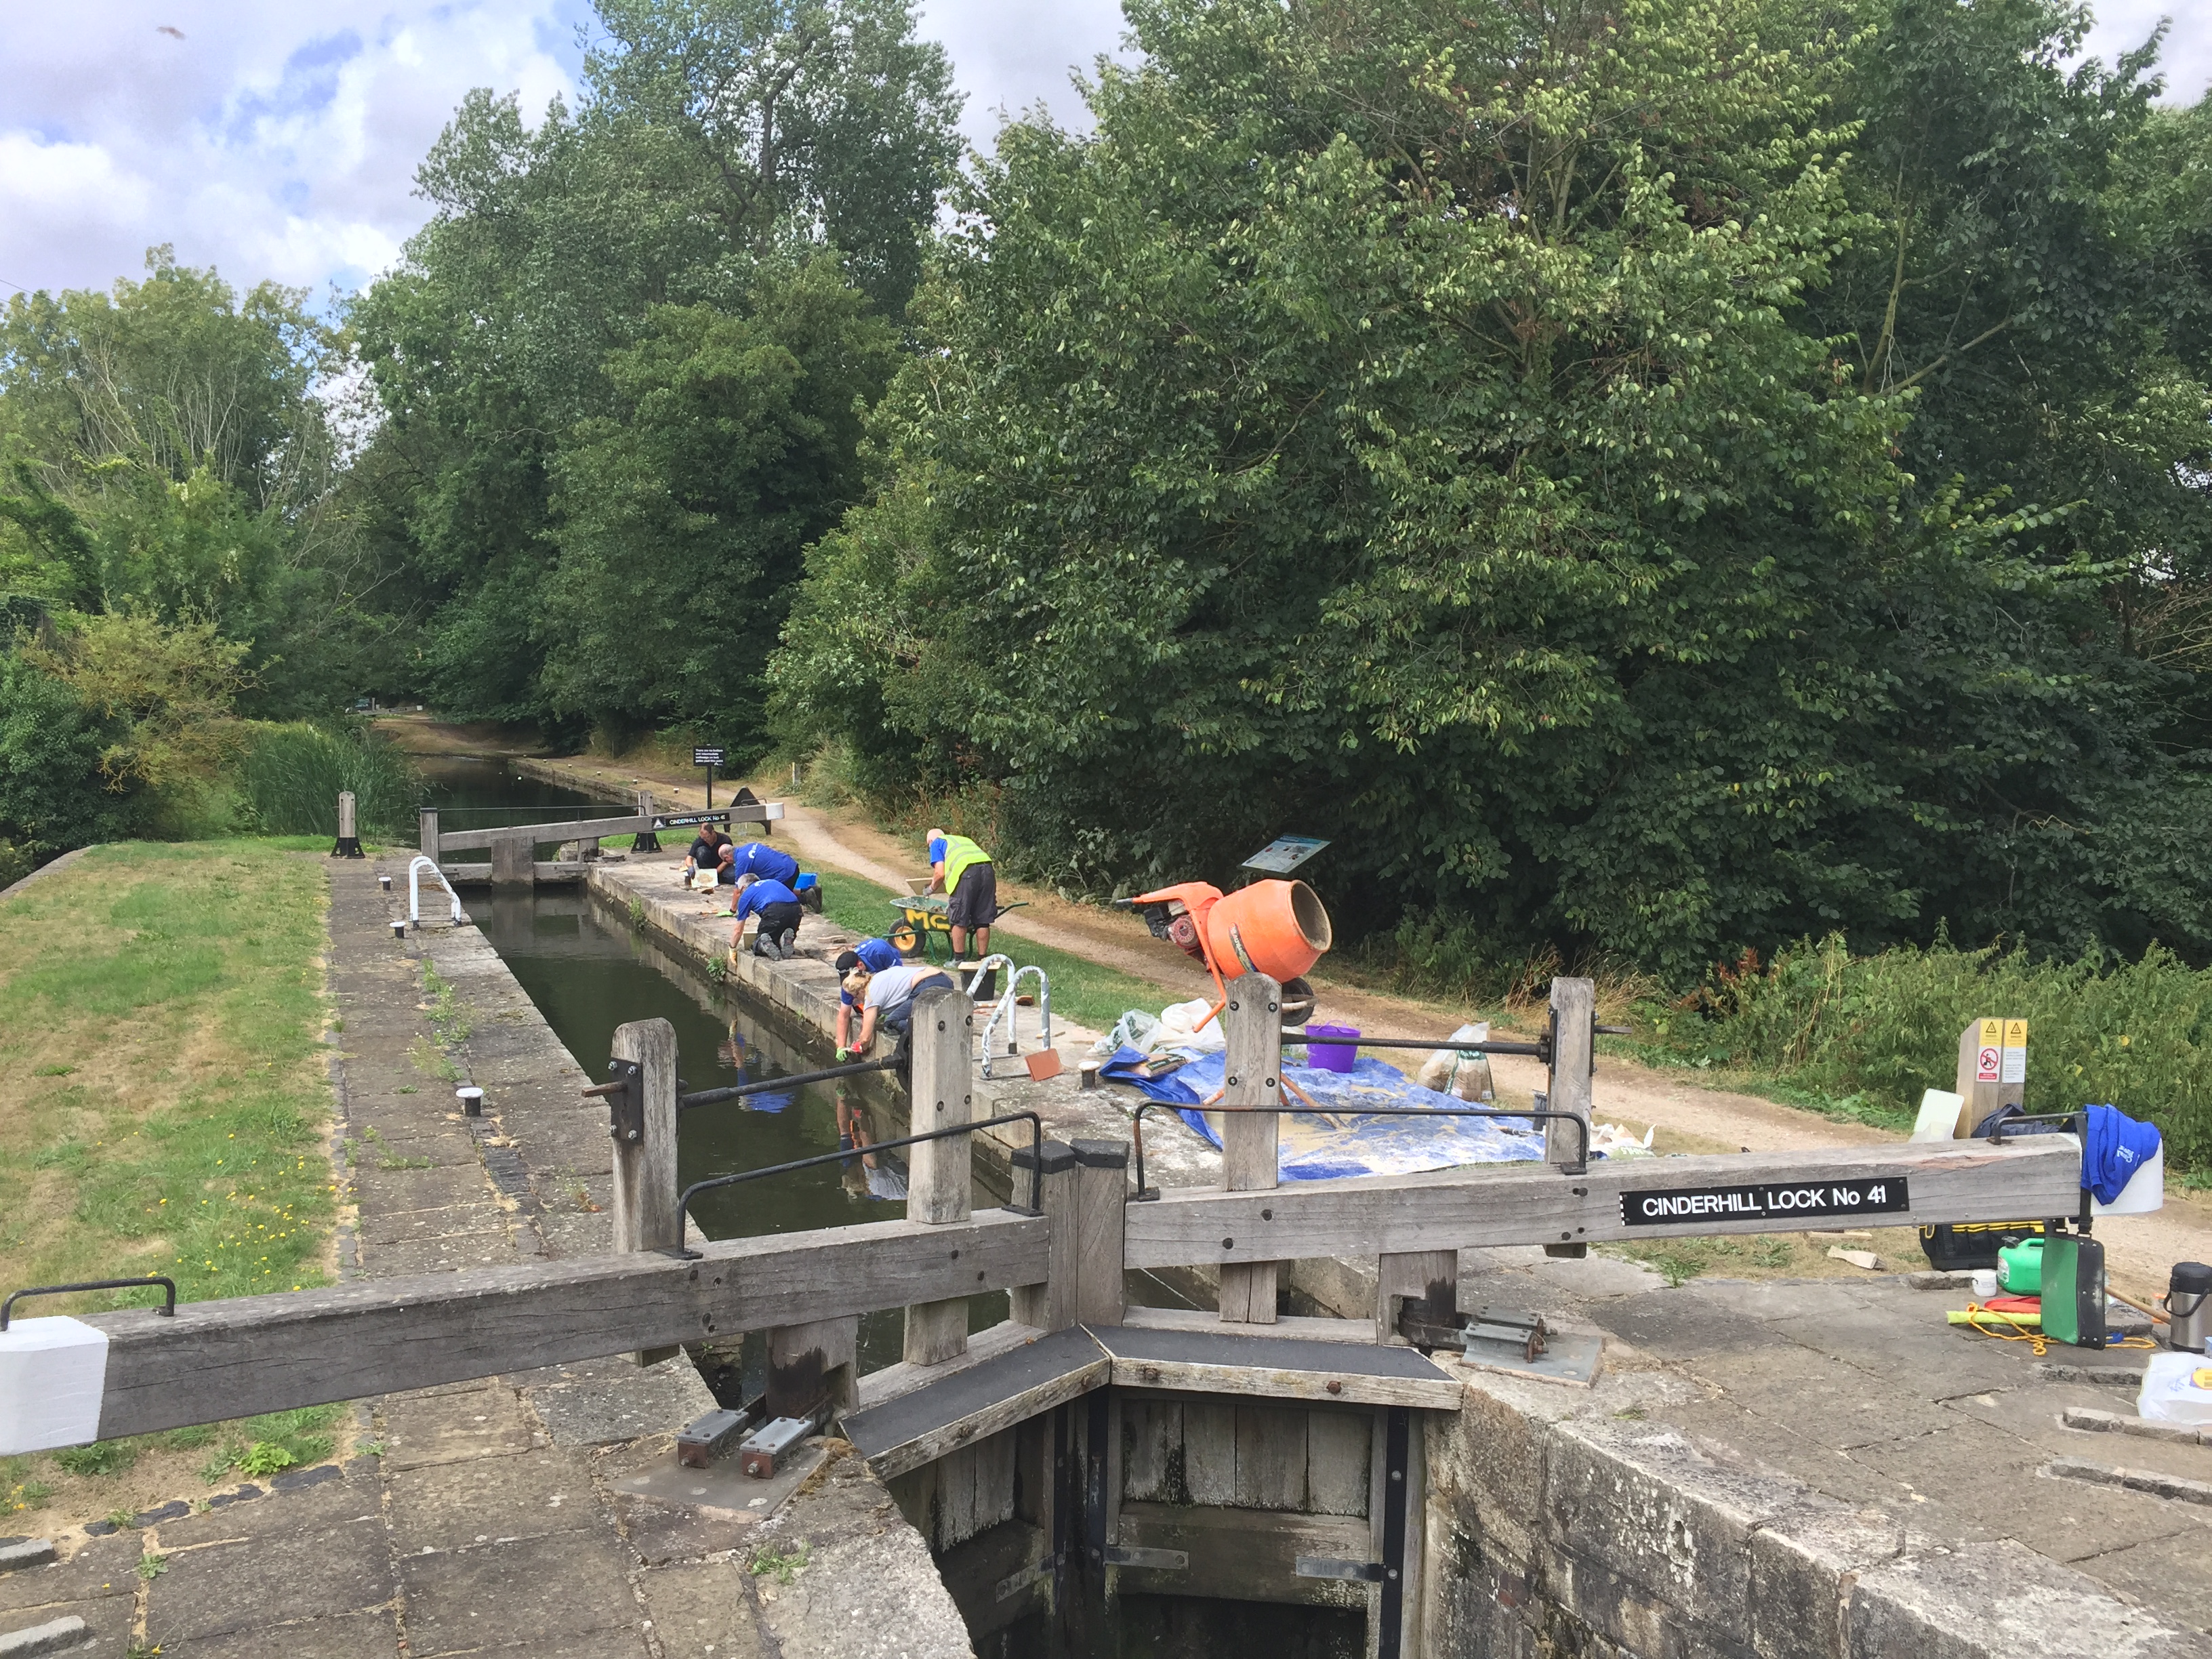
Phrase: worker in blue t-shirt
(758, 858)
(778, 911)
(874, 954)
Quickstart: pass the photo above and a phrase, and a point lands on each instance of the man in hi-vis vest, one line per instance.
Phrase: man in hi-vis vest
(962, 872)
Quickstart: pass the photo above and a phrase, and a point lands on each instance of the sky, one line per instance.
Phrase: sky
(280, 140)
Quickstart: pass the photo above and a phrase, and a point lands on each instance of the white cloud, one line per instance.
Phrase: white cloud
(281, 141)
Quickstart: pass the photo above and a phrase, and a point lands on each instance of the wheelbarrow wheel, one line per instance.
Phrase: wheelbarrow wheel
(903, 937)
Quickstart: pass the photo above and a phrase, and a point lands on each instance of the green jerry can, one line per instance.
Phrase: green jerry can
(2073, 1290)
(2019, 1268)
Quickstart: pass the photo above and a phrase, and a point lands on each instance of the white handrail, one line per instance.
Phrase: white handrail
(425, 861)
(1009, 1002)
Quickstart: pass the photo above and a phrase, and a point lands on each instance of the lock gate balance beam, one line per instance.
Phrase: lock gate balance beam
(65, 1381)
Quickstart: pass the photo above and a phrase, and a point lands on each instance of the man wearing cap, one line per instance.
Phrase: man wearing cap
(962, 870)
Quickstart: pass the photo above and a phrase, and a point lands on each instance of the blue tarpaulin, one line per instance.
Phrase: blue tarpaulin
(1339, 1140)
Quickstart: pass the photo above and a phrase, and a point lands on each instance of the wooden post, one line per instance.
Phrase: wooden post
(513, 861)
(1574, 1060)
(1428, 1278)
(1984, 1096)
(811, 1366)
(1051, 1306)
(940, 1186)
(645, 1216)
(1252, 1021)
(1102, 1188)
(425, 835)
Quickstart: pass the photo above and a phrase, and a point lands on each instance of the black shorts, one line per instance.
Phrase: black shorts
(975, 901)
(778, 919)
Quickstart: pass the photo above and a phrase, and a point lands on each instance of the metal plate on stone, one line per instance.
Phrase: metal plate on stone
(936, 1407)
(1572, 1360)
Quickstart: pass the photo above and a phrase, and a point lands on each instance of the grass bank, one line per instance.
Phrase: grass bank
(1863, 1036)
(164, 1109)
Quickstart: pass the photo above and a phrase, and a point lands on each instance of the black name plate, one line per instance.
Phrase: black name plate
(1774, 1201)
(688, 820)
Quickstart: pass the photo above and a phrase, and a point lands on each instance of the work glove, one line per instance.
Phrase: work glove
(844, 1054)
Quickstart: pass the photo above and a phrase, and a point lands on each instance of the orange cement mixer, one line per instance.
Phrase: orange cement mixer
(1278, 928)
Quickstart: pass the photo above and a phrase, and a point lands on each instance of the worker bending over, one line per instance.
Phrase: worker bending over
(758, 858)
(962, 870)
(875, 955)
(778, 911)
(887, 997)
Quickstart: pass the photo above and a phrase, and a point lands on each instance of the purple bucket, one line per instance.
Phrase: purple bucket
(1331, 1056)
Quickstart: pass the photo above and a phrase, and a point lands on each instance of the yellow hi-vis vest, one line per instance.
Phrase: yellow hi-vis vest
(959, 854)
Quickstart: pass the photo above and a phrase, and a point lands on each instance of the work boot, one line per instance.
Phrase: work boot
(787, 943)
(764, 945)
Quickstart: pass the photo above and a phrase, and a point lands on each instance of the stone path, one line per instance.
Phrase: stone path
(482, 1518)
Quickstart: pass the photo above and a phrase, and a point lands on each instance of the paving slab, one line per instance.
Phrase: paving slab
(222, 1587)
(704, 1610)
(373, 1635)
(355, 1496)
(461, 1600)
(99, 1567)
(448, 1428)
(529, 1494)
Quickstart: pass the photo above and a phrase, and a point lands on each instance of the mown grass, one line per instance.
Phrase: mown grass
(163, 1099)
(1081, 991)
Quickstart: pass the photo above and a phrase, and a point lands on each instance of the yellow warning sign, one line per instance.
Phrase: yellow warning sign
(2015, 1052)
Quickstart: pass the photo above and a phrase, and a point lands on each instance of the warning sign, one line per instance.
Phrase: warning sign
(1985, 1066)
(2014, 1065)
(1988, 1058)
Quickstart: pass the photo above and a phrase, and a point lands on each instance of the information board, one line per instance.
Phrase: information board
(710, 756)
(1283, 855)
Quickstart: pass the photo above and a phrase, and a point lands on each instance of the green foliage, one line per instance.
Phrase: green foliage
(619, 367)
(1883, 1028)
(1438, 430)
(101, 1457)
(53, 795)
(292, 775)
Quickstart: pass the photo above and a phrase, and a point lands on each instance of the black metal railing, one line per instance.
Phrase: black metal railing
(1035, 1206)
(797, 1079)
(168, 1308)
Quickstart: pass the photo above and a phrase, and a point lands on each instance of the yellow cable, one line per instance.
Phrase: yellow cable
(2042, 1342)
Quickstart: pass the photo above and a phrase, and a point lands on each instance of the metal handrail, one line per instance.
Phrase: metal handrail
(797, 1079)
(1540, 1049)
(423, 861)
(168, 1309)
(1009, 1003)
(1580, 1166)
(1036, 1160)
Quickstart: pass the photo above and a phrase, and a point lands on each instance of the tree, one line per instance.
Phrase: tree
(722, 149)
(1417, 424)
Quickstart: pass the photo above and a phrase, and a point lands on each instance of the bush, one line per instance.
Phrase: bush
(1886, 1027)
(293, 773)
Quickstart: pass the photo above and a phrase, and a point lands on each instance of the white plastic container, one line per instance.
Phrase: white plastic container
(2177, 1387)
(2145, 1191)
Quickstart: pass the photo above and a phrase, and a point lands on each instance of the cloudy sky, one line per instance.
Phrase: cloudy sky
(280, 140)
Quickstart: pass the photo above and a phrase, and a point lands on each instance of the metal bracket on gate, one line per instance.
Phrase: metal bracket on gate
(1127, 1555)
(625, 1093)
(1327, 1566)
(1498, 1334)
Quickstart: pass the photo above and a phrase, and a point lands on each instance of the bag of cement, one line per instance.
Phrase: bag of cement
(2177, 1387)
(1133, 1030)
(1179, 1028)
(1455, 1072)
(1611, 1141)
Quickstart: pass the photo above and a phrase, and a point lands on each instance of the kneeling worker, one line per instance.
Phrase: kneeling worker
(778, 911)
(962, 870)
(876, 955)
(887, 997)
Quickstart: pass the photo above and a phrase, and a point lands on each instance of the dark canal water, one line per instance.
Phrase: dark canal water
(588, 970)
